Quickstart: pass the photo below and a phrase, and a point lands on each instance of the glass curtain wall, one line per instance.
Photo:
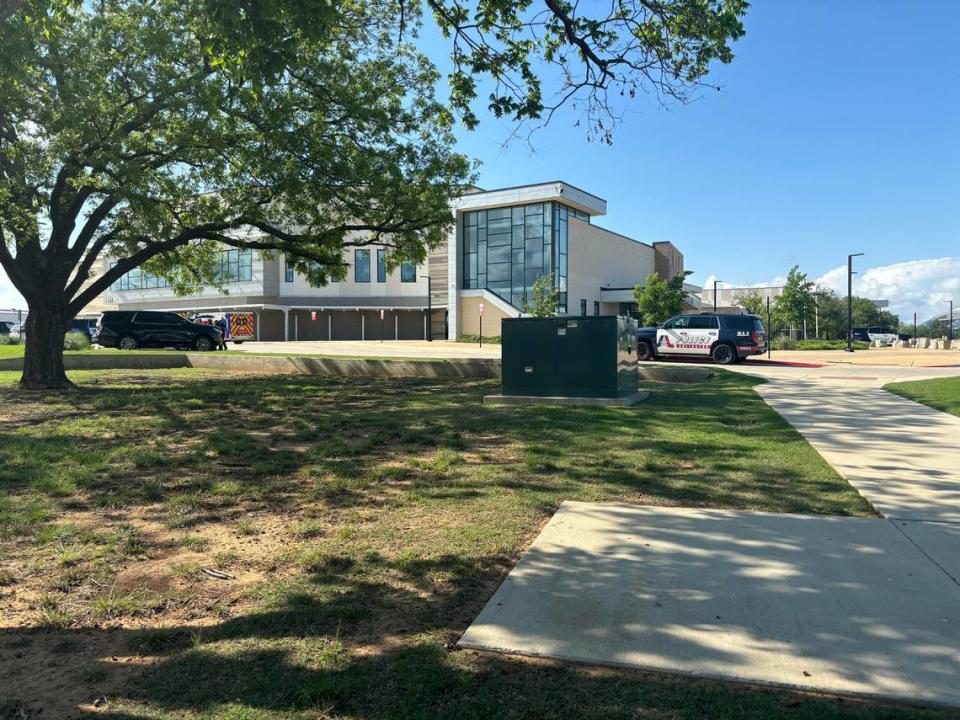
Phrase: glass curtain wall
(231, 266)
(505, 250)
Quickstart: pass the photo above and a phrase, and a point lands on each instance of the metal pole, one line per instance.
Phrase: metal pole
(850, 300)
(769, 328)
(429, 310)
(714, 295)
(950, 324)
(481, 330)
(816, 319)
(914, 326)
(850, 303)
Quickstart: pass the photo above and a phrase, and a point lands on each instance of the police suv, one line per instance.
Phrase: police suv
(725, 338)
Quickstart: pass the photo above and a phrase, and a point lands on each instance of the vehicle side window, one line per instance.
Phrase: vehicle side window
(703, 322)
(150, 318)
(677, 323)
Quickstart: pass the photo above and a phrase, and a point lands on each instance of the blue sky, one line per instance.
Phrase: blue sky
(837, 130)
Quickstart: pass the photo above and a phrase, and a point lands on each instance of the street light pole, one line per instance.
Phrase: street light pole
(950, 325)
(715, 295)
(429, 310)
(850, 300)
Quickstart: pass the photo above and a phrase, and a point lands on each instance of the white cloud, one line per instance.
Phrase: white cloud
(9, 297)
(921, 286)
(775, 282)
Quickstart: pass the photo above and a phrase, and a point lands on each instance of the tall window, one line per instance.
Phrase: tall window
(408, 272)
(361, 266)
(596, 307)
(561, 259)
(505, 250)
(583, 307)
(381, 265)
(235, 266)
(288, 271)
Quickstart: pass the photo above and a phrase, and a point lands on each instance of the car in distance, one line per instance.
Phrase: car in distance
(885, 336)
(86, 326)
(133, 329)
(5, 327)
(724, 338)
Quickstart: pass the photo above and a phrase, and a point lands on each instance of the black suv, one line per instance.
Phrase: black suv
(725, 338)
(129, 330)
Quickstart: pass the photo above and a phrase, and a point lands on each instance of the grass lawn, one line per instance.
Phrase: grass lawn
(942, 393)
(362, 525)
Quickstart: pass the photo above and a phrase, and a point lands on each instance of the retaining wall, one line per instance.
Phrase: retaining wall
(280, 364)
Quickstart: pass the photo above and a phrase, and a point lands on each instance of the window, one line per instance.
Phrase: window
(703, 322)
(156, 318)
(232, 266)
(680, 322)
(361, 266)
(583, 307)
(288, 276)
(596, 307)
(381, 265)
(505, 250)
(630, 310)
(408, 272)
(235, 266)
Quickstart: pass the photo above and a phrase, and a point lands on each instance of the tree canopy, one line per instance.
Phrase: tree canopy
(155, 131)
(544, 298)
(659, 299)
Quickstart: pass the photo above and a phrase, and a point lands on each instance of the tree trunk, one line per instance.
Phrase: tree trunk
(43, 355)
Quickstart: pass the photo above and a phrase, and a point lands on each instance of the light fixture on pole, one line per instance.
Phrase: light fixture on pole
(850, 300)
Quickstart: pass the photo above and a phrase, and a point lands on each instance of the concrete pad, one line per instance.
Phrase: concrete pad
(841, 605)
(939, 541)
(902, 456)
(625, 401)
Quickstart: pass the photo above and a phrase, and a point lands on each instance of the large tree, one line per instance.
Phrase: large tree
(153, 131)
(659, 299)
(796, 304)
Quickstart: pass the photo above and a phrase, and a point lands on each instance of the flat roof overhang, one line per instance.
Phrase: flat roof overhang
(557, 190)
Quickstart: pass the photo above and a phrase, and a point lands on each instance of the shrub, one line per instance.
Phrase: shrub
(783, 343)
(786, 343)
(8, 339)
(491, 339)
(76, 341)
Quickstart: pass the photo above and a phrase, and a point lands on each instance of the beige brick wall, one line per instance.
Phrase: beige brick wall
(470, 317)
(600, 258)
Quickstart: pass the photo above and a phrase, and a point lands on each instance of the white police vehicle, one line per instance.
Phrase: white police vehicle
(724, 338)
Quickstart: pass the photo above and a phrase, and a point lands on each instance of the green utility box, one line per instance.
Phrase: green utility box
(586, 356)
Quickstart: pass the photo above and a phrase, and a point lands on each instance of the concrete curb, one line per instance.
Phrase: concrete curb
(346, 367)
(674, 374)
(619, 402)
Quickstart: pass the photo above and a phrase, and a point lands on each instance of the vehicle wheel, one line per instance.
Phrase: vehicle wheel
(127, 342)
(203, 344)
(724, 354)
(644, 350)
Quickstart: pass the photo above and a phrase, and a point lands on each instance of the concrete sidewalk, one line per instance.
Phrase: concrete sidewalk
(902, 456)
(841, 605)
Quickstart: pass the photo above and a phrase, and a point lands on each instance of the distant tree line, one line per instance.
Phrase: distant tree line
(806, 311)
